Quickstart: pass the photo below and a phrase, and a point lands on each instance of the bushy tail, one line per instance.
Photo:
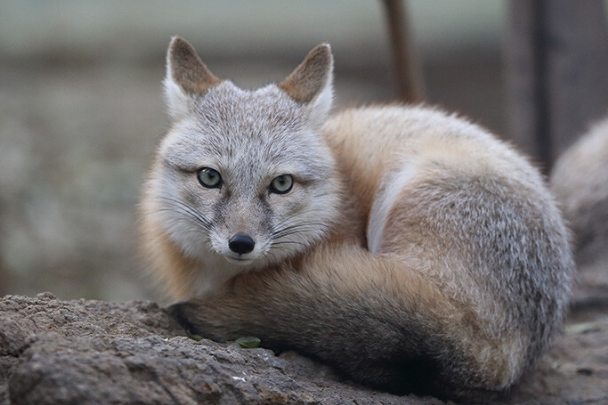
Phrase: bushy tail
(368, 315)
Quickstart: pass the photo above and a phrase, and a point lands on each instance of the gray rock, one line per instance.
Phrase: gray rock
(93, 352)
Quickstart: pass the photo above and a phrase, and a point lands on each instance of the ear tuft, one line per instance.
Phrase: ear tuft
(310, 78)
(187, 70)
(311, 83)
(187, 76)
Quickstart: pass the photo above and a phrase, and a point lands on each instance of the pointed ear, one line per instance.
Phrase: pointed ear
(187, 76)
(312, 82)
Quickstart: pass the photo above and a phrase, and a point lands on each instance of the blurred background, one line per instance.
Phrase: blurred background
(81, 109)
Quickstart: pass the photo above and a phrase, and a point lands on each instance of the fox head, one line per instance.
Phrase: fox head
(244, 179)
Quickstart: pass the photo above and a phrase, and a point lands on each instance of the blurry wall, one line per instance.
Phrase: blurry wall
(81, 109)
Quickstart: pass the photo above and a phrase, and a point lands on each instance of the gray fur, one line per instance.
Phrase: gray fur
(249, 137)
(580, 182)
(470, 274)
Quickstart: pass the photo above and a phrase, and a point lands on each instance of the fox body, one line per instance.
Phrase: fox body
(579, 180)
(407, 247)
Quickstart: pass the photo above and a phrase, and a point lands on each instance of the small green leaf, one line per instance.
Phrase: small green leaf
(246, 342)
(193, 335)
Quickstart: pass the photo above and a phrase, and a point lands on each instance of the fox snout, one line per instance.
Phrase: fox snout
(240, 247)
(241, 244)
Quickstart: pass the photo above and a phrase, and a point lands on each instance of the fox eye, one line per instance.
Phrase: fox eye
(282, 184)
(209, 178)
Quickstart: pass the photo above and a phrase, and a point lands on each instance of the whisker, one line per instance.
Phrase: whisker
(300, 225)
(186, 207)
(178, 202)
(294, 231)
(291, 218)
(186, 218)
(178, 206)
(288, 242)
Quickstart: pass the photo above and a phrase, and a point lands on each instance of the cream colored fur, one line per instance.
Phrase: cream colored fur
(580, 182)
(426, 255)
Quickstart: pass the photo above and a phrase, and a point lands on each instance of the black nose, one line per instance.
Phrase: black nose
(241, 243)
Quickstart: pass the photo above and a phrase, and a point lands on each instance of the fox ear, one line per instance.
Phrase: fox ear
(312, 82)
(187, 76)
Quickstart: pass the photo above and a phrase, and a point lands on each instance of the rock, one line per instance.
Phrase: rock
(93, 352)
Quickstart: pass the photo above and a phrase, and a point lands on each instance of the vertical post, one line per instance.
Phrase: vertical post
(406, 65)
(3, 279)
(557, 70)
(526, 64)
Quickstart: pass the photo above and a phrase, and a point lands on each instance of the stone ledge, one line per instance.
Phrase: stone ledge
(94, 352)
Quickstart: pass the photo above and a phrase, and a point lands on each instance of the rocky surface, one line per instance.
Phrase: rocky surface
(94, 352)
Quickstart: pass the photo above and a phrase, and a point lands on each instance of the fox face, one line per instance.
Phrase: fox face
(244, 179)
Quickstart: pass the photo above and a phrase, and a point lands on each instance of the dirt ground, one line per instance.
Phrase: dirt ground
(90, 352)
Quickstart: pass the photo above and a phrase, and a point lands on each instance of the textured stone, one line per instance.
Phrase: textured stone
(94, 352)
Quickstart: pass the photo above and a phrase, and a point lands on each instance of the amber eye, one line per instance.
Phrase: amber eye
(282, 184)
(209, 178)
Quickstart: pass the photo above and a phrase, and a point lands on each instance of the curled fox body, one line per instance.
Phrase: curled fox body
(409, 248)
(579, 181)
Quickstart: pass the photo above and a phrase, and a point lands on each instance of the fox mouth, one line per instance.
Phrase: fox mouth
(241, 261)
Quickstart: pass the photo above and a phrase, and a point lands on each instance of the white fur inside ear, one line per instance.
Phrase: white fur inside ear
(320, 106)
(179, 104)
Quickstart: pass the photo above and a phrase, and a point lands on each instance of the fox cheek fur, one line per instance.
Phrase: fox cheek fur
(209, 233)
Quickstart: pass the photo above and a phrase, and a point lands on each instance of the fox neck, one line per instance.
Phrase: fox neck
(214, 270)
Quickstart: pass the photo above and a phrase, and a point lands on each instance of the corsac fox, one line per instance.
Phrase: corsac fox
(579, 181)
(407, 247)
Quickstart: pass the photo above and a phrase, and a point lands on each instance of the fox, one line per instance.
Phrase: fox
(407, 247)
(579, 181)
